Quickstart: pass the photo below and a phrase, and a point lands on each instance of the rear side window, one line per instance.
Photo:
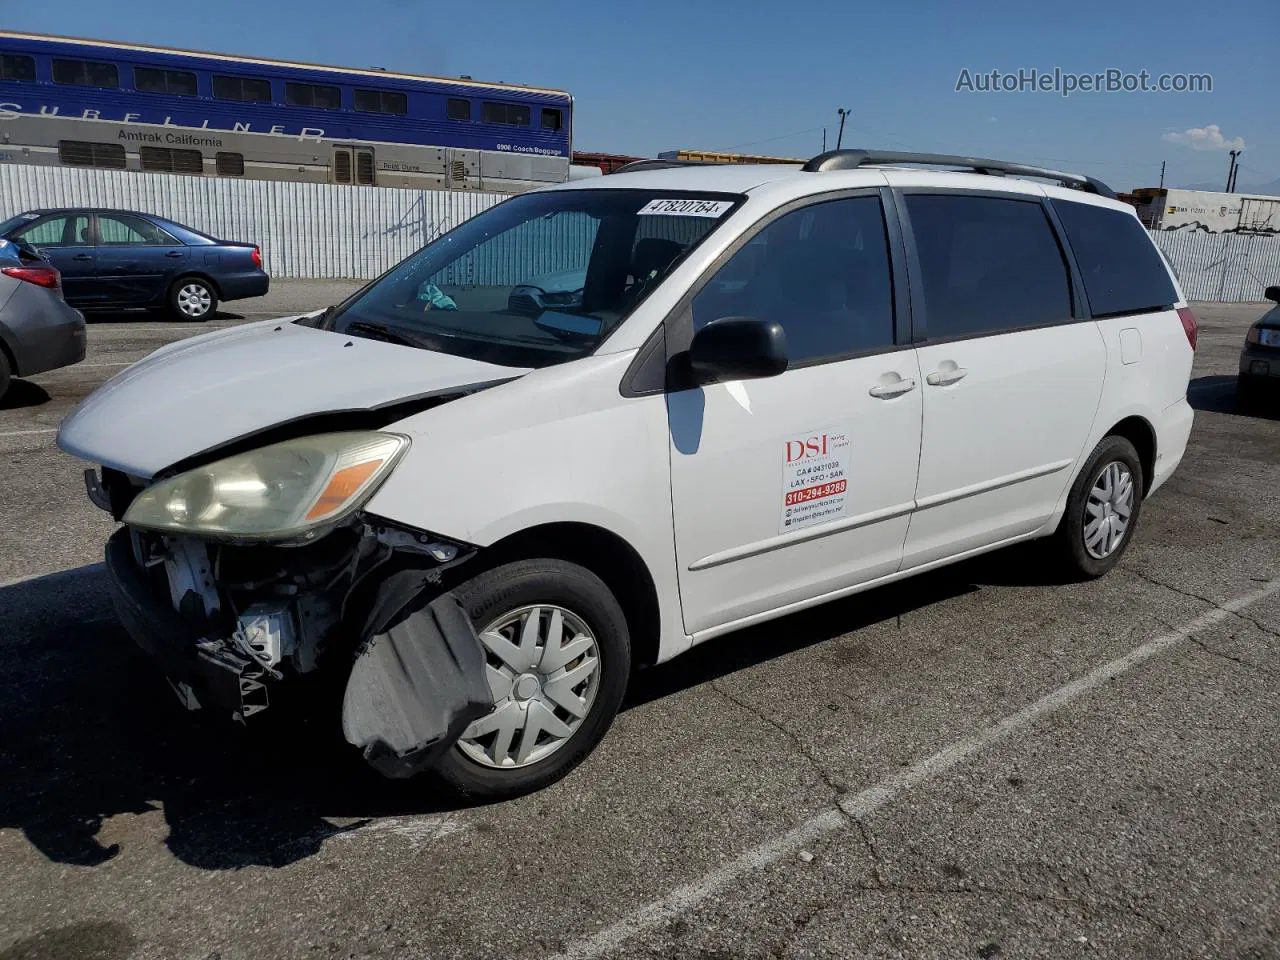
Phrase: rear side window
(822, 272)
(988, 264)
(1121, 268)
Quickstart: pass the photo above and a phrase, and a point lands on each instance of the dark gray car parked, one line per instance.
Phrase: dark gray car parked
(38, 330)
(1260, 359)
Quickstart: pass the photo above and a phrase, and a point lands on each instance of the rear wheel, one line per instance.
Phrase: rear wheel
(192, 298)
(1102, 510)
(559, 656)
(6, 375)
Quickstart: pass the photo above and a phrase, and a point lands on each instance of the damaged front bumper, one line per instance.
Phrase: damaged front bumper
(414, 670)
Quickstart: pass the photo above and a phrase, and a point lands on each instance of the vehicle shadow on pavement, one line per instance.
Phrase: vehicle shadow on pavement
(1217, 394)
(23, 393)
(1014, 566)
(90, 731)
(156, 316)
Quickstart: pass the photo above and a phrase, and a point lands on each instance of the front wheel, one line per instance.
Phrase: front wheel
(1102, 509)
(558, 659)
(192, 298)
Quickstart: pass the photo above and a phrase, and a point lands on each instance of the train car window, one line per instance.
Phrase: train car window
(312, 95)
(80, 153)
(244, 89)
(551, 119)
(512, 114)
(86, 73)
(364, 167)
(168, 160)
(17, 67)
(229, 164)
(178, 83)
(380, 101)
(458, 109)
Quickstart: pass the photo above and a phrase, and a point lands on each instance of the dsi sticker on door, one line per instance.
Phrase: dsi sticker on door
(815, 479)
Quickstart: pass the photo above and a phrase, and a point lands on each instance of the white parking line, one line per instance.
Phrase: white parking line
(860, 805)
(28, 433)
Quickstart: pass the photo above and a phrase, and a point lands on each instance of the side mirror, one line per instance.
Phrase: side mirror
(1273, 294)
(738, 348)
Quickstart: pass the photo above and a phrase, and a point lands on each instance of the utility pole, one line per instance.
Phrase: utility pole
(1231, 171)
(1161, 174)
(824, 139)
(843, 112)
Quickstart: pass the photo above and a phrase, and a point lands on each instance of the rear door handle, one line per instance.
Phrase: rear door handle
(887, 391)
(175, 253)
(941, 378)
(83, 256)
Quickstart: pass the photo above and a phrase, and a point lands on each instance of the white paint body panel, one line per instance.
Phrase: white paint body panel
(199, 393)
(736, 557)
(999, 443)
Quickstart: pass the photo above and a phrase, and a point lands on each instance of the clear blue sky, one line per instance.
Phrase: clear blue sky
(756, 77)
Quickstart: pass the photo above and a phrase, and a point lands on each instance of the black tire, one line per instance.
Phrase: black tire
(489, 595)
(6, 375)
(1069, 545)
(181, 301)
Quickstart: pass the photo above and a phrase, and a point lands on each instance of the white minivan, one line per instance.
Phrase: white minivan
(455, 511)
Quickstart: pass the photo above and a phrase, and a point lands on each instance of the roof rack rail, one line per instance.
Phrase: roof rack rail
(853, 159)
(635, 165)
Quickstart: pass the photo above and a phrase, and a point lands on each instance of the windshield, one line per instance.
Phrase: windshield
(540, 279)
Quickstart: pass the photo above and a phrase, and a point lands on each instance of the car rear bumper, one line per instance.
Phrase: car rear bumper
(240, 286)
(44, 332)
(1261, 363)
(1172, 434)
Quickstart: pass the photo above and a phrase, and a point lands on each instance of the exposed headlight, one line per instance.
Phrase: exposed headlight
(286, 491)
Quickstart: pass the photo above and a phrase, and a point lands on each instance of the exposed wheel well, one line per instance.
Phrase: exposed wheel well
(1138, 432)
(606, 555)
(213, 284)
(9, 356)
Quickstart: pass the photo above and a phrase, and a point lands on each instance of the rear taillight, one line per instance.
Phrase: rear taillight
(257, 258)
(1189, 325)
(42, 275)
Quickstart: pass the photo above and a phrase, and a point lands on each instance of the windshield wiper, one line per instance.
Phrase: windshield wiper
(390, 334)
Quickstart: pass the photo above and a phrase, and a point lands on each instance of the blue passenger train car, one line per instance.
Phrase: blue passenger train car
(90, 103)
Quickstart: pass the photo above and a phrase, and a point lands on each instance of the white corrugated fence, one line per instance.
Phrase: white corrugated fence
(331, 231)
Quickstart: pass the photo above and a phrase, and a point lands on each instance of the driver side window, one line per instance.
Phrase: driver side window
(821, 271)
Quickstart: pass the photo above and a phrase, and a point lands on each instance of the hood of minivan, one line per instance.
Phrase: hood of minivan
(203, 393)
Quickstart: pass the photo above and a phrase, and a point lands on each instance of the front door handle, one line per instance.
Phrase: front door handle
(887, 391)
(941, 378)
(175, 253)
(83, 256)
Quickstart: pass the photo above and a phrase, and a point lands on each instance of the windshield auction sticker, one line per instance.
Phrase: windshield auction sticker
(673, 207)
(815, 479)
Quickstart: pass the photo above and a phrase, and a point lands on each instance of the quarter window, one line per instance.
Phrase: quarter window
(458, 109)
(312, 95)
(17, 67)
(380, 101)
(86, 73)
(1122, 270)
(512, 114)
(987, 264)
(81, 153)
(178, 83)
(244, 89)
(822, 272)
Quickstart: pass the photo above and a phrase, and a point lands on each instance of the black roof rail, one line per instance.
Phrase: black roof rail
(853, 159)
(635, 165)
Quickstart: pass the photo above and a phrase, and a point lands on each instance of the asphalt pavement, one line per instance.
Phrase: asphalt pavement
(978, 762)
